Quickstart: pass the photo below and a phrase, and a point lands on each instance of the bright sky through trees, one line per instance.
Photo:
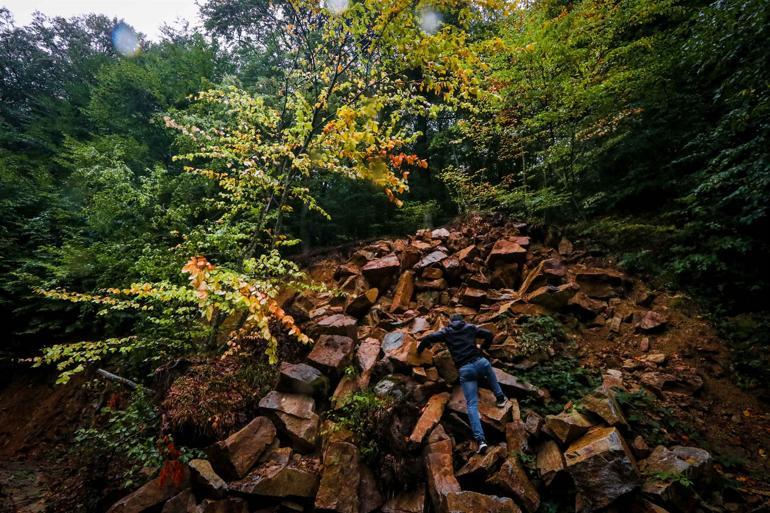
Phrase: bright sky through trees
(147, 16)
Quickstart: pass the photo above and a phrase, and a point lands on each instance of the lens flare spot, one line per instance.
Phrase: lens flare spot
(337, 6)
(125, 40)
(430, 21)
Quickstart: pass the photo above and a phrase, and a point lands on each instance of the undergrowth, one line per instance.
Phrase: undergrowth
(539, 334)
(564, 378)
(364, 414)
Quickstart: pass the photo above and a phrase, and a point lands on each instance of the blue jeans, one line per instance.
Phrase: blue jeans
(470, 374)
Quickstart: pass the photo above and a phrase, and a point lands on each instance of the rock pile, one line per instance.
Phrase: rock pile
(392, 294)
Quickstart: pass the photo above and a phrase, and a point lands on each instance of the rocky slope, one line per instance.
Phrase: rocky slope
(657, 368)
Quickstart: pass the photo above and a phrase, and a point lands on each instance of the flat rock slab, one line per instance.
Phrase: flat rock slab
(404, 292)
(431, 415)
(301, 378)
(567, 426)
(552, 297)
(473, 502)
(153, 493)
(511, 385)
(338, 324)
(380, 272)
(602, 467)
(332, 352)
(234, 456)
(338, 490)
(549, 461)
(507, 251)
(433, 258)
(206, 479)
(283, 474)
(513, 479)
(295, 416)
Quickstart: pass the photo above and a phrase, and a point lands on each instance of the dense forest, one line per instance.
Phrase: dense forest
(160, 199)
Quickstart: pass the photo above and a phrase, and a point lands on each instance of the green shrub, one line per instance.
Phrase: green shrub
(564, 379)
(364, 414)
(540, 334)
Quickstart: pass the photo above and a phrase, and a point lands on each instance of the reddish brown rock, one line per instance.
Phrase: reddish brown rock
(348, 385)
(437, 459)
(431, 415)
(301, 378)
(433, 258)
(467, 253)
(283, 474)
(505, 251)
(452, 267)
(586, 307)
(567, 426)
(432, 273)
(687, 383)
(605, 406)
(602, 468)
(205, 479)
(479, 281)
(600, 283)
(369, 495)
(691, 463)
(516, 437)
(513, 387)
(407, 502)
(404, 291)
(439, 233)
(234, 456)
(295, 415)
(472, 297)
(409, 257)
(152, 494)
(513, 479)
(228, 505)
(362, 303)
(549, 461)
(553, 298)
(481, 465)
(340, 477)
(490, 414)
(183, 502)
(332, 352)
(565, 247)
(473, 502)
(439, 284)
(446, 366)
(367, 354)
(338, 324)
(345, 270)
(380, 272)
(505, 275)
(652, 321)
(401, 347)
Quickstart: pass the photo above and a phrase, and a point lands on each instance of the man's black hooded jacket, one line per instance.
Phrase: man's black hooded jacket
(460, 338)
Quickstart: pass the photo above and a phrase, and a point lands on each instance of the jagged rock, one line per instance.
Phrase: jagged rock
(228, 505)
(338, 324)
(332, 352)
(516, 437)
(586, 307)
(479, 465)
(402, 348)
(183, 502)
(549, 461)
(439, 233)
(419, 324)
(565, 247)
(435, 257)
(301, 378)
(347, 386)
(512, 386)
(295, 415)
(533, 423)
(652, 321)
(683, 383)
(452, 267)
(389, 386)
(281, 475)
(506, 251)
(692, 463)
(369, 495)
(473, 502)
(433, 273)
(409, 257)
(489, 412)
(600, 283)
(478, 281)
(362, 303)
(602, 468)
(406, 502)
(513, 479)
(472, 297)
(340, 477)
(505, 275)
(234, 456)
(467, 253)
(431, 415)
(439, 284)
(567, 426)
(367, 354)
(438, 468)
(153, 493)
(553, 298)
(605, 406)
(345, 270)
(446, 366)
(380, 272)
(656, 358)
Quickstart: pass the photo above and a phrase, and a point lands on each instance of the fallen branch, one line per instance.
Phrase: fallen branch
(114, 377)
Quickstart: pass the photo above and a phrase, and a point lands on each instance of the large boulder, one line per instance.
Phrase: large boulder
(652, 321)
(301, 378)
(295, 416)
(552, 297)
(205, 479)
(513, 387)
(516, 437)
(601, 283)
(442, 359)
(401, 348)
(567, 426)
(380, 272)
(549, 461)
(234, 456)
(473, 502)
(490, 414)
(332, 352)
(153, 493)
(338, 490)
(283, 474)
(431, 415)
(512, 478)
(338, 324)
(604, 405)
(666, 468)
(404, 292)
(506, 251)
(602, 467)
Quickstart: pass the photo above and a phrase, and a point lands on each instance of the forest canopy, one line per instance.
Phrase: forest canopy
(148, 198)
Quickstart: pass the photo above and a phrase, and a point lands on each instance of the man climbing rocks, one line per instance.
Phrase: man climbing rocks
(460, 338)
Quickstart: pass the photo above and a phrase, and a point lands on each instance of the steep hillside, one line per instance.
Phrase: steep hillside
(621, 395)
